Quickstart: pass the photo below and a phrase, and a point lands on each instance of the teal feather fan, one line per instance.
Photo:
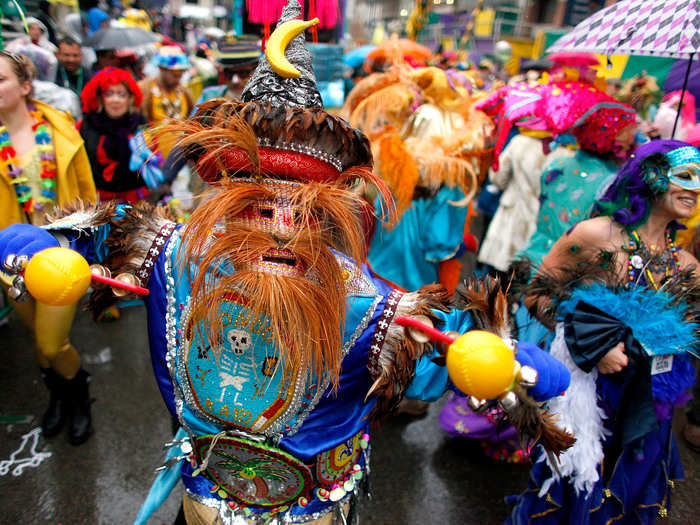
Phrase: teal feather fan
(657, 321)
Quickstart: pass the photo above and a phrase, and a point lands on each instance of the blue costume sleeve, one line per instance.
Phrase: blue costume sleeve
(27, 239)
(431, 380)
(145, 161)
(90, 245)
(442, 237)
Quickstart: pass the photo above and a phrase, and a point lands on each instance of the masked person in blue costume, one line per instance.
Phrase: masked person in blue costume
(623, 299)
(272, 345)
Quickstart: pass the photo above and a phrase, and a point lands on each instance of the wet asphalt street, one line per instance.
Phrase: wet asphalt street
(420, 476)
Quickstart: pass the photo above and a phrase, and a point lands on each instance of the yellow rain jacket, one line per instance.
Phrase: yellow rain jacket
(73, 174)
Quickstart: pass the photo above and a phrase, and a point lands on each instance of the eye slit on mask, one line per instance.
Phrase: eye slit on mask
(304, 218)
(266, 212)
(298, 217)
(683, 175)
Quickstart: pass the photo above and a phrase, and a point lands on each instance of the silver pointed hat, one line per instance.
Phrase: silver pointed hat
(266, 86)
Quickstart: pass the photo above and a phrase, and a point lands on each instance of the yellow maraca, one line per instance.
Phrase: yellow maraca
(61, 276)
(57, 276)
(479, 363)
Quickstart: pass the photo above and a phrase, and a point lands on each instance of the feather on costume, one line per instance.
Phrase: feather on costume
(425, 137)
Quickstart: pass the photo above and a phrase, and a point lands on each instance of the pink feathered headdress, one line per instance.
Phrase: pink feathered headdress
(559, 107)
(688, 109)
(102, 81)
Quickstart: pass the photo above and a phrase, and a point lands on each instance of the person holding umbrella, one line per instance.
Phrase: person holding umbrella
(107, 40)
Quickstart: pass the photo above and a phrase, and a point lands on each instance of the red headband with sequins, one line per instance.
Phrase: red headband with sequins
(287, 164)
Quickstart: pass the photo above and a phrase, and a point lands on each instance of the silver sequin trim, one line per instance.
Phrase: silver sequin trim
(305, 149)
(237, 517)
(171, 329)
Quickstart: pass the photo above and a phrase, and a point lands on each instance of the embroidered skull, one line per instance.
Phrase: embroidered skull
(239, 341)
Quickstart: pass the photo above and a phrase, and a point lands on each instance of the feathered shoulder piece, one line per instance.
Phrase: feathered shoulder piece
(123, 246)
(600, 277)
(393, 354)
(80, 216)
(487, 302)
(132, 234)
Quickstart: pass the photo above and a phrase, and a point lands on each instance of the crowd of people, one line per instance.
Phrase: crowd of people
(278, 295)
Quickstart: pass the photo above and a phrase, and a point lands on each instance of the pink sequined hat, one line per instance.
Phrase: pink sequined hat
(594, 117)
(559, 107)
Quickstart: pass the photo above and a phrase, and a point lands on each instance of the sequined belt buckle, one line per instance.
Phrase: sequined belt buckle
(252, 473)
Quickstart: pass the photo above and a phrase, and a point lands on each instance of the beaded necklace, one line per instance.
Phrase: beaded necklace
(640, 259)
(47, 158)
(172, 109)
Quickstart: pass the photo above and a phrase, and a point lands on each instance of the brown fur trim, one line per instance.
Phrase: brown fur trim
(81, 215)
(486, 301)
(280, 125)
(519, 273)
(400, 352)
(130, 238)
(535, 425)
(553, 287)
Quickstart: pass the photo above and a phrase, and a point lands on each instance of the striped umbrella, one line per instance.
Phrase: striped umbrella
(667, 28)
(663, 28)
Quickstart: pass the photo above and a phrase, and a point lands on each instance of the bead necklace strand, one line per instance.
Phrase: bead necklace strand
(636, 263)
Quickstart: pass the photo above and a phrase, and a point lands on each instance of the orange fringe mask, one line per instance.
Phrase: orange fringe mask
(306, 310)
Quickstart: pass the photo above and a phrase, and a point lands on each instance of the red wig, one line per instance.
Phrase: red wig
(102, 81)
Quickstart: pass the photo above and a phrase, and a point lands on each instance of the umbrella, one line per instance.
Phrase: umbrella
(355, 57)
(676, 76)
(44, 60)
(666, 28)
(541, 64)
(669, 28)
(119, 38)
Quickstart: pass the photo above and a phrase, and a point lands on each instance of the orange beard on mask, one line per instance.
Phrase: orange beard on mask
(286, 272)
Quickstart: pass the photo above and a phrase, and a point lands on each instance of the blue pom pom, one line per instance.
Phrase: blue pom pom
(553, 377)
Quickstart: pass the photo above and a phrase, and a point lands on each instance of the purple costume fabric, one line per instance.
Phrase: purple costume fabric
(498, 437)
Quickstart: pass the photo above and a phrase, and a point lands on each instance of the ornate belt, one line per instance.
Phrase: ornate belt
(247, 472)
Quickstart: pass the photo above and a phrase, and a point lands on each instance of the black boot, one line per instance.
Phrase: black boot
(78, 400)
(55, 415)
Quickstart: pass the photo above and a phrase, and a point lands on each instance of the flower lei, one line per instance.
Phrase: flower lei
(47, 156)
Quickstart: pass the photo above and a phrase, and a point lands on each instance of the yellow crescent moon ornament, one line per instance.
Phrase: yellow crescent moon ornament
(481, 364)
(278, 42)
(57, 276)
